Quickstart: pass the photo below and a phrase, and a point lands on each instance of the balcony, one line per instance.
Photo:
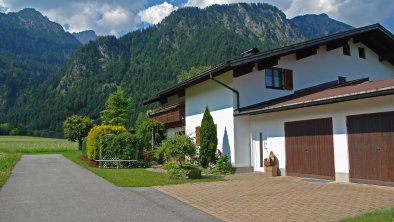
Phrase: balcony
(171, 116)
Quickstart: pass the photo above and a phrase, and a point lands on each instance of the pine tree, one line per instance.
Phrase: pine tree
(208, 140)
(116, 109)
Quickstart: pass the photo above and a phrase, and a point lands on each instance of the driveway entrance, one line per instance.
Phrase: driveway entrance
(54, 189)
(254, 197)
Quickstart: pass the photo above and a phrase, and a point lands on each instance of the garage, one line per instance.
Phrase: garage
(371, 148)
(310, 148)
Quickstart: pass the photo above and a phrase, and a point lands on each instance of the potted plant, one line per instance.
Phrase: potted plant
(268, 162)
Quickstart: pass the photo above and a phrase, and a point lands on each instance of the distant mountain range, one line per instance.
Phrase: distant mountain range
(144, 61)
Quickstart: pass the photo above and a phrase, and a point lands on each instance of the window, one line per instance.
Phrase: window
(277, 78)
(346, 50)
(198, 134)
(361, 52)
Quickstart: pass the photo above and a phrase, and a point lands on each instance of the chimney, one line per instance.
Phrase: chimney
(251, 52)
(341, 79)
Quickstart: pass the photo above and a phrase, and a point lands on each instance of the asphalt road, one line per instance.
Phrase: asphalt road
(52, 188)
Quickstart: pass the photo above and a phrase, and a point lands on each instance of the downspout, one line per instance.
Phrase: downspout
(228, 87)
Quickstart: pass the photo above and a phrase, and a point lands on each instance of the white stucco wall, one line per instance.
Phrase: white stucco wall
(242, 140)
(220, 102)
(272, 127)
(323, 67)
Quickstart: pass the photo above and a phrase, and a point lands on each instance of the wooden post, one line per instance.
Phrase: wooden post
(153, 138)
(100, 158)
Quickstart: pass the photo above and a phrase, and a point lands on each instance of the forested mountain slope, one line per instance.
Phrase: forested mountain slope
(32, 49)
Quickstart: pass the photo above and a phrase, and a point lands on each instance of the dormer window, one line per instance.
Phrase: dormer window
(346, 50)
(277, 78)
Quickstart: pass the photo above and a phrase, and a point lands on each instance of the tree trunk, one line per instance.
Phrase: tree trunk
(80, 144)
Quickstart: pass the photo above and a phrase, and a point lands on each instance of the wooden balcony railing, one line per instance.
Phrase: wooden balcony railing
(171, 116)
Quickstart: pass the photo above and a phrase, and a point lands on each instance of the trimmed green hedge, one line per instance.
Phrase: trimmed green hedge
(94, 136)
(124, 146)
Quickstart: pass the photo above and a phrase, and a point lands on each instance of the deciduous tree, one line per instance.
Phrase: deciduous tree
(76, 128)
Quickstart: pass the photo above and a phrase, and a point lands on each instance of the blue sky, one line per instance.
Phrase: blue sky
(117, 17)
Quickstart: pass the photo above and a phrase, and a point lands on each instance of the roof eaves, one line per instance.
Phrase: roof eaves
(323, 101)
(195, 79)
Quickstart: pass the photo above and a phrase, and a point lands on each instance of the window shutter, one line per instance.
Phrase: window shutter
(197, 135)
(288, 74)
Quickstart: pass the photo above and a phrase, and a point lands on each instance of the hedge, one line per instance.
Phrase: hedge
(94, 136)
(124, 146)
(84, 146)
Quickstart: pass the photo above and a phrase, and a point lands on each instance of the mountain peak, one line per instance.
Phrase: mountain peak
(31, 13)
(85, 36)
(314, 26)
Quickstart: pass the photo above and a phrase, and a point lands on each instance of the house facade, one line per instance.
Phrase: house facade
(325, 107)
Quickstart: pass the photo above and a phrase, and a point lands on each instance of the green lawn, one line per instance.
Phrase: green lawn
(7, 163)
(12, 147)
(132, 177)
(376, 216)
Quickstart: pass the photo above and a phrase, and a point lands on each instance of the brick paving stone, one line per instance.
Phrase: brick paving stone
(255, 197)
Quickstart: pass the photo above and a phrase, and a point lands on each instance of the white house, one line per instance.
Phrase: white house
(325, 107)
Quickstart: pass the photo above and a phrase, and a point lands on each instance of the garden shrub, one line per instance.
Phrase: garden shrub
(188, 171)
(144, 130)
(14, 132)
(94, 136)
(177, 148)
(170, 165)
(154, 155)
(124, 146)
(223, 166)
(84, 146)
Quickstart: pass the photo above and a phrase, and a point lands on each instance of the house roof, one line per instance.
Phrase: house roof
(375, 37)
(358, 89)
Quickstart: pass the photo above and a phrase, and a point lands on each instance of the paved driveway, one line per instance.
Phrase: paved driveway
(254, 197)
(52, 188)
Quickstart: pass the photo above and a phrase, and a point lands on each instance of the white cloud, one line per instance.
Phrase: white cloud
(3, 6)
(205, 3)
(114, 17)
(353, 12)
(103, 18)
(156, 13)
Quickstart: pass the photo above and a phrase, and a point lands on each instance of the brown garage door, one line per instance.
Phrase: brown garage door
(371, 147)
(310, 149)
